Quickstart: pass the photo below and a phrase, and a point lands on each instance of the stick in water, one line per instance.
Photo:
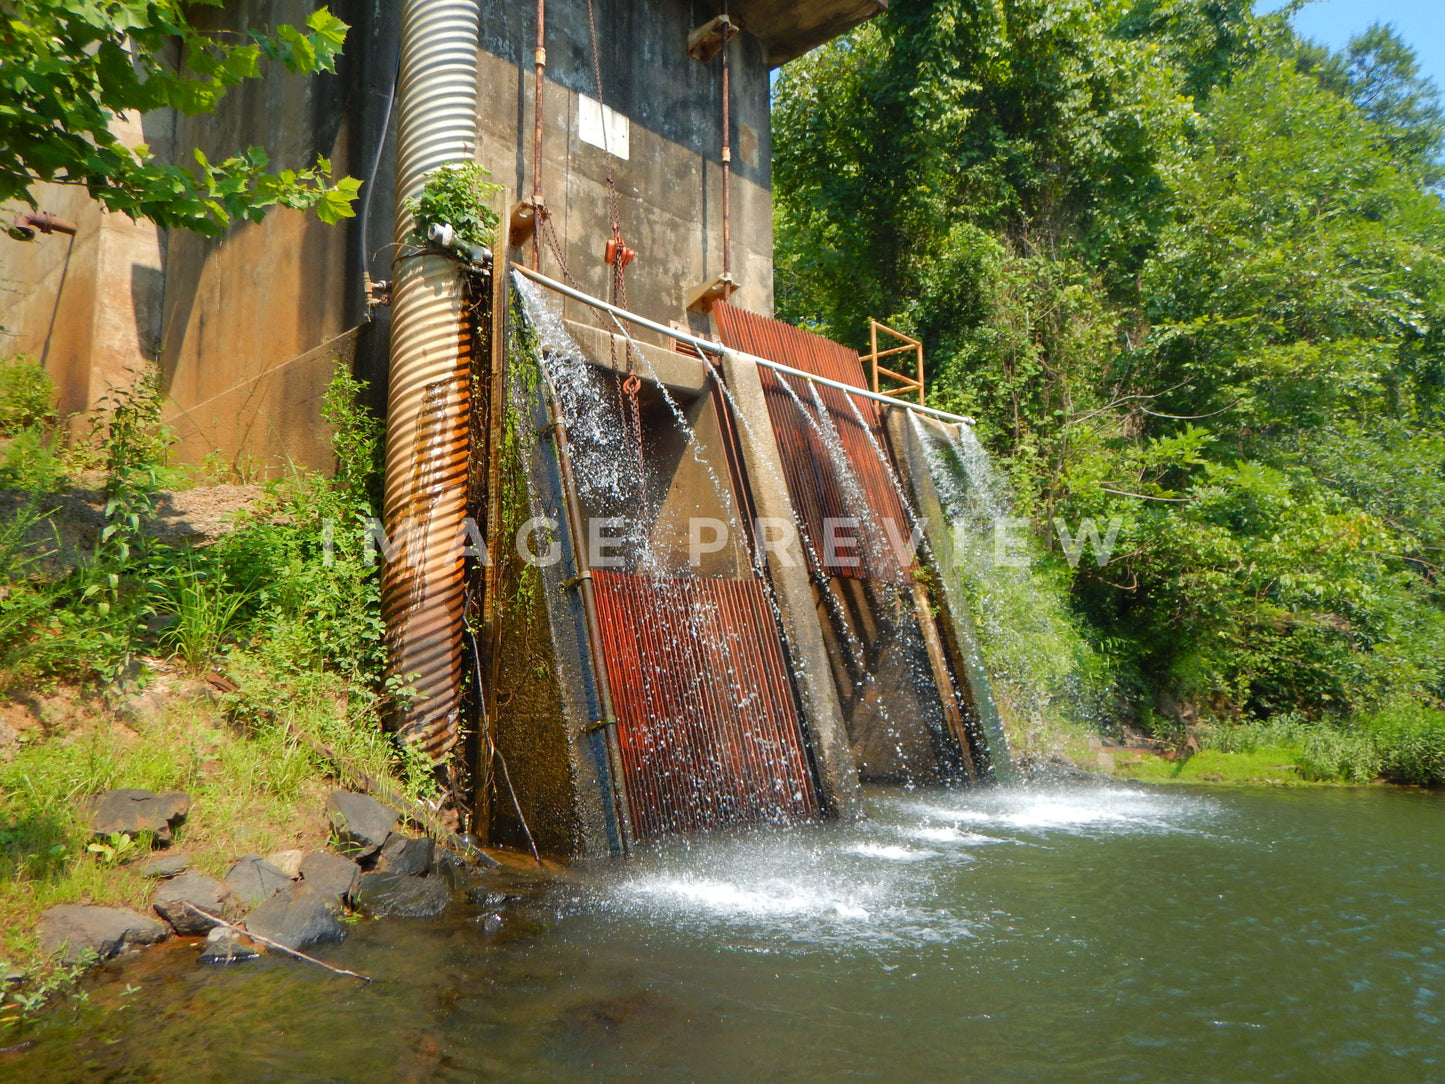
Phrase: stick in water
(275, 944)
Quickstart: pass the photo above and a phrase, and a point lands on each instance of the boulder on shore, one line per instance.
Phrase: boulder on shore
(330, 875)
(80, 932)
(360, 823)
(134, 812)
(297, 917)
(288, 862)
(403, 854)
(176, 898)
(254, 880)
(226, 946)
(166, 865)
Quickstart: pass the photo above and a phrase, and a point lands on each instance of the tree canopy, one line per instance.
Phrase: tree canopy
(1186, 270)
(69, 69)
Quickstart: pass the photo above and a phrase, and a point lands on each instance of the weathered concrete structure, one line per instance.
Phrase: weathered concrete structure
(249, 327)
(750, 705)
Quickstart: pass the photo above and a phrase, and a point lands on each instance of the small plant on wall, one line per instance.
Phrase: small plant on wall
(454, 209)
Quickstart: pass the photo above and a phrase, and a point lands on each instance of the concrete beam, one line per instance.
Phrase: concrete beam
(680, 372)
(789, 28)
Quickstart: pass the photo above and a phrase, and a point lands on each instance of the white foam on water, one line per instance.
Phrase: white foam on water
(876, 885)
(1084, 809)
(890, 852)
(730, 899)
(945, 833)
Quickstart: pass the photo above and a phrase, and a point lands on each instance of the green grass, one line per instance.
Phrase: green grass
(1263, 765)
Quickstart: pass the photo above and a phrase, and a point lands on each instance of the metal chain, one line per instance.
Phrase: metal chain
(613, 199)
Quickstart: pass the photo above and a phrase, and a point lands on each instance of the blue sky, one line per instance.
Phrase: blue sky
(1334, 22)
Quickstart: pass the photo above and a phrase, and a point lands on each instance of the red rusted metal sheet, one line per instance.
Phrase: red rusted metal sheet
(814, 484)
(706, 720)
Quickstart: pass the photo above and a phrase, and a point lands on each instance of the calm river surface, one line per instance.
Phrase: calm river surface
(1076, 934)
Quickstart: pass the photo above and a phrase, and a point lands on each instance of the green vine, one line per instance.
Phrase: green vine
(456, 195)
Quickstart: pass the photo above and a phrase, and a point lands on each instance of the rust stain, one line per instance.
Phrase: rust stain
(706, 721)
(812, 480)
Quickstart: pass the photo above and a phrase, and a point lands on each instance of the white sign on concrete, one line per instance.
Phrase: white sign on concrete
(603, 127)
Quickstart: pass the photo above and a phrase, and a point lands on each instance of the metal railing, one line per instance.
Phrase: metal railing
(906, 385)
(710, 347)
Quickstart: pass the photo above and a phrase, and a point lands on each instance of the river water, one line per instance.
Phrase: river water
(1101, 933)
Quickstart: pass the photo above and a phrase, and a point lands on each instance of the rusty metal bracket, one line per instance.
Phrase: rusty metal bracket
(24, 226)
(522, 223)
(702, 298)
(707, 40)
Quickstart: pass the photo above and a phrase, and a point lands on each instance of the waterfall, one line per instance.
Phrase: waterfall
(1044, 674)
(708, 729)
(899, 731)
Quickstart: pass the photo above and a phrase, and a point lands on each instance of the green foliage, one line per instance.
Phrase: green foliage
(1378, 71)
(204, 611)
(1187, 272)
(114, 849)
(27, 395)
(70, 69)
(1411, 744)
(303, 556)
(457, 195)
(296, 584)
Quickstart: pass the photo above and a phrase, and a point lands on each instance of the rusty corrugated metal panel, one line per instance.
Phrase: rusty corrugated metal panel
(706, 721)
(813, 483)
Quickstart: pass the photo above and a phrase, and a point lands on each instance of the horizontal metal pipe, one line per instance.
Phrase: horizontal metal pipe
(718, 348)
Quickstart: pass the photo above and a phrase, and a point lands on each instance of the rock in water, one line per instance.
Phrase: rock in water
(402, 854)
(360, 823)
(78, 932)
(330, 875)
(254, 880)
(134, 812)
(225, 946)
(167, 865)
(397, 895)
(296, 918)
(197, 890)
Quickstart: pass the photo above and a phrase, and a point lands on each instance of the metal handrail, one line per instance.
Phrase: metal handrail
(719, 349)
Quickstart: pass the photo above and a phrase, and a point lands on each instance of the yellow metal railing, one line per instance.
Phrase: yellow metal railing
(904, 385)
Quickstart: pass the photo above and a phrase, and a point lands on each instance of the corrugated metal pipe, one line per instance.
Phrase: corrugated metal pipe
(429, 396)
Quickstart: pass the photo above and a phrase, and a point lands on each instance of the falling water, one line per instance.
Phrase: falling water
(905, 654)
(696, 648)
(1043, 671)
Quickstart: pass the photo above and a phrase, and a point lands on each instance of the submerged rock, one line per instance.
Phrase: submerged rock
(402, 854)
(297, 917)
(254, 880)
(487, 897)
(330, 875)
(360, 823)
(399, 895)
(79, 932)
(225, 946)
(134, 812)
(166, 865)
(197, 890)
(454, 869)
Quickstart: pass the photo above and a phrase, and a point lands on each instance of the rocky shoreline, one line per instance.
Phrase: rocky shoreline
(285, 901)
